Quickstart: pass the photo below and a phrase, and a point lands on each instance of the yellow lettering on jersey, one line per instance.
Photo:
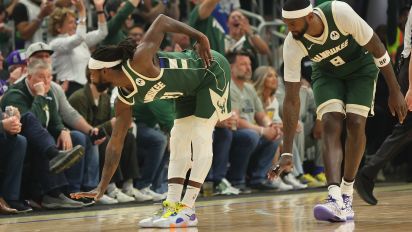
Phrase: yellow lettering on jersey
(325, 54)
(151, 94)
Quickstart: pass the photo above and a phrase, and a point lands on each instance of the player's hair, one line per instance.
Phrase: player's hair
(123, 51)
(292, 5)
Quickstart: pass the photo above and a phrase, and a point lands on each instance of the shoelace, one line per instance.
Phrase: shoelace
(334, 206)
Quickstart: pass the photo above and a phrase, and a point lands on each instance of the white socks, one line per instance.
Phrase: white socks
(190, 196)
(174, 192)
(347, 187)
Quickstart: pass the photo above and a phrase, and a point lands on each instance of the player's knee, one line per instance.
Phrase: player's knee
(355, 123)
(331, 106)
(332, 123)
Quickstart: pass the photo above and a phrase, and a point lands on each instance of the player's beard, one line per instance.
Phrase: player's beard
(101, 87)
(300, 34)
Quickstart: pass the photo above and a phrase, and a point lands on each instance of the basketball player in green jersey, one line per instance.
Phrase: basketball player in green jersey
(198, 80)
(345, 54)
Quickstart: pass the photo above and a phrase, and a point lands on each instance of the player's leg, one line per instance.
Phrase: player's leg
(360, 95)
(329, 96)
(180, 160)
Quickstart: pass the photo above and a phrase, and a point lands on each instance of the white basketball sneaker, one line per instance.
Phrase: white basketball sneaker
(181, 216)
(329, 211)
(166, 206)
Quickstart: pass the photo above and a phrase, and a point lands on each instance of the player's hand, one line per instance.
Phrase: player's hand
(397, 105)
(203, 49)
(408, 99)
(95, 194)
(285, 163)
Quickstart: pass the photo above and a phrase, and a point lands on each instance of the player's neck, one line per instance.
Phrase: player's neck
(316, 27)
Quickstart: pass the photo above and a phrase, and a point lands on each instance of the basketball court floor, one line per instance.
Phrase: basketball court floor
(290, 211)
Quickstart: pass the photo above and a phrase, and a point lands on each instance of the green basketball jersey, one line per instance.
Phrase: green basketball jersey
(340, 55)
(181, 74)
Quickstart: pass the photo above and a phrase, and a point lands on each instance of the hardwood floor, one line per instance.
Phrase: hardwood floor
(286, 212)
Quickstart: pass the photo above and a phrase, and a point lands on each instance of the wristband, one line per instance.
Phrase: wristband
(100, 12)
(82, 20)
(383, 61)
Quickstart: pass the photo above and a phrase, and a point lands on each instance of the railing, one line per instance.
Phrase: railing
(275, 58)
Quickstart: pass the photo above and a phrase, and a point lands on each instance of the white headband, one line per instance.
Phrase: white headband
(294, 14)
(97, 64)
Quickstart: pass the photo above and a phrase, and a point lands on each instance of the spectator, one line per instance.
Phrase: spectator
(93, 103)
(242, 37)
(118, 14)
(136, 33)
(248, 106)
(72, 43)
(16, 61)
(29, 20)
(33, 95)
(203, 19)
(85, 173)
(6, 33)
(12, 154)
(266, 84)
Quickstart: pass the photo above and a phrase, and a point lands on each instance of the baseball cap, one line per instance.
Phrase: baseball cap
(16, 57)
(38, 47)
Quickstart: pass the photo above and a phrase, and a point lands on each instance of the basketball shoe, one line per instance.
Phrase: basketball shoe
(166, 206)
(348, 210)
(181, 216)
(329, 211)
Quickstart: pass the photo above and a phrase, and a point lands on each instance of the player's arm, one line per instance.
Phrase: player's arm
(292, 56)
(153, 38)
(113, 150)
(350, 22)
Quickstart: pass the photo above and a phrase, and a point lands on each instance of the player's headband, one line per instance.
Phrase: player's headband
(97, 64)
(294, 14)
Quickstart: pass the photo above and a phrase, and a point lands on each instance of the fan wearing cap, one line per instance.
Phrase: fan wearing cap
(16, 61)
(346, 55)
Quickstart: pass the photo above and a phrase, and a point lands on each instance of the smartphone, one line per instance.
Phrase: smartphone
(102, 133)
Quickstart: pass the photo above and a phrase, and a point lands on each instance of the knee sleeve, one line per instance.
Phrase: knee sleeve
(202, 148)
(180, 147)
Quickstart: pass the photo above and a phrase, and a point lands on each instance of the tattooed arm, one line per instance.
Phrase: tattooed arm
(113, 150)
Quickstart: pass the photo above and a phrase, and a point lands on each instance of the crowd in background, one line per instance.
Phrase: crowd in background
(50, 109)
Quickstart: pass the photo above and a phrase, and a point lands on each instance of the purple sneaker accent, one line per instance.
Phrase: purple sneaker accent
(193, 217)
(348, 210)
(179, 220)
(329, 211)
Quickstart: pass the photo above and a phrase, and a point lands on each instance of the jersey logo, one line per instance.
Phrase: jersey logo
(140, 82)
(220, 102)
(310, 47)
(334, 35)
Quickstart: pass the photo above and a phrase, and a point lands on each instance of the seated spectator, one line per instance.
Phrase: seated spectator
(242, 37)
(85, 173)
(12, 154)
(72, 43)
(93, 103)
(17, 65)
(118, 14)
(266, 84)
(47, 157)
(32, 94)
(28, 16)
(254, 122)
